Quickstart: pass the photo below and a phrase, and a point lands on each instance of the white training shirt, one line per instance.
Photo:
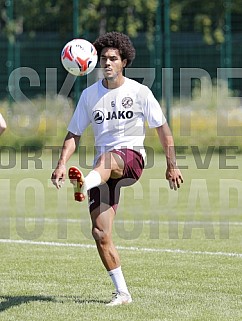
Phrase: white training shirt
(117, 115)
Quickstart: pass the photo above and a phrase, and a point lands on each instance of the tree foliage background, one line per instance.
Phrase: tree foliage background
(128, 16)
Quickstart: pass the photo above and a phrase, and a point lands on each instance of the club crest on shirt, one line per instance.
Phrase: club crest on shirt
(127, 102)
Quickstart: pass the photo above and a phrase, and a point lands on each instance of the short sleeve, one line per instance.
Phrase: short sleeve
(80, 119)
(153, 112)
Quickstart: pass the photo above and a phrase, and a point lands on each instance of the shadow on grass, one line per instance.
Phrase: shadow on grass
(11, 301)
(79, 300)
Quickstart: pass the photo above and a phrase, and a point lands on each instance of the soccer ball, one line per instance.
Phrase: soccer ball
(79, 57)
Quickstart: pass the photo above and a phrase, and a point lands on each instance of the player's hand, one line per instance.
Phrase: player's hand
(174, 176)
(58, 176)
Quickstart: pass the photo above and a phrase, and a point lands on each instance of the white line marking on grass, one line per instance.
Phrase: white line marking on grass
(132, 248)
(70, 220)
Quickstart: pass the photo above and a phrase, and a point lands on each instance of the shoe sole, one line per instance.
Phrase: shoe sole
(116, 304)
(77, 179)
(111, 304)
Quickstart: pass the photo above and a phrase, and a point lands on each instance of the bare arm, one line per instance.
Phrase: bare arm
(173, 174)
(3, 124)
(69, 146)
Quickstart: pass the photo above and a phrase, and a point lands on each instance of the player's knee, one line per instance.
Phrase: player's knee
(99, 236)
(105, 161)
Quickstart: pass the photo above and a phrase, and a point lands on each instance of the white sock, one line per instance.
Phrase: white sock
(92, 179)
(118, 280)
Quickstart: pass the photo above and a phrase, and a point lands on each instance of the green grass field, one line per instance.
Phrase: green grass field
(181, 251)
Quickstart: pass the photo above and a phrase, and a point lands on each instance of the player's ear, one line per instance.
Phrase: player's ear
(124, 63)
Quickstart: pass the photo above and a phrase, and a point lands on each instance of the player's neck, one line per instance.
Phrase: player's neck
(113, 83)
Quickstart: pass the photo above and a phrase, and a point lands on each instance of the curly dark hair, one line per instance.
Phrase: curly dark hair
(118, 41)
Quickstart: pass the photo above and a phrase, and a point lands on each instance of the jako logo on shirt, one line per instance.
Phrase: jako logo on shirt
(99, 117)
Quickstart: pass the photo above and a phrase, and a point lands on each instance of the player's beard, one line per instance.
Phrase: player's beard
(110, 77)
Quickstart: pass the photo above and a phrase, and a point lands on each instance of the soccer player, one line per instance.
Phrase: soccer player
(3, 124)
(117, 108)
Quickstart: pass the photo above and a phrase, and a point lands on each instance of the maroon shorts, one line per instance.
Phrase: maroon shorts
(109, 193)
